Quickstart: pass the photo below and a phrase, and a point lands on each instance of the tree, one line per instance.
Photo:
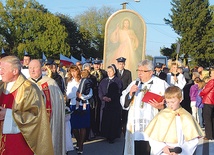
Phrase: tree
(77, 42)
(149, 57)
(74, 36)
(169, 52)
(92, 26)
(192, 21)
(27, 25)
(212, 11)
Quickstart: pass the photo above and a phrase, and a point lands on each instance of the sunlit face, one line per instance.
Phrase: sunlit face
(97, 66)
(87, 68)
(54, 69)
(174, 68)
(120, 65)
(49, 66)
(179, 70)
(173, 103)
(144, 73)
(74, 73)
(26, 60)
(157, 69)
(35, 69)
(79, 65)
(110, 72)
(200, 69)
(7, 72)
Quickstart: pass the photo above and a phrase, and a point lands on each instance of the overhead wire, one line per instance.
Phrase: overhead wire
(151, 23)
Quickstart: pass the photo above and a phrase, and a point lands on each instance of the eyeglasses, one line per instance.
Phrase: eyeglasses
(138, 70)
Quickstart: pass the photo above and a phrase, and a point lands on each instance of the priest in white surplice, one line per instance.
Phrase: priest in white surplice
(54, 105)
(140, 114)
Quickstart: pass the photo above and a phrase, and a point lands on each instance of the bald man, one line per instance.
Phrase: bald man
(55, 106)
(23, 119)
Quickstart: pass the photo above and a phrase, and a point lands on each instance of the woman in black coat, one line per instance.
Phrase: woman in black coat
(110, 90)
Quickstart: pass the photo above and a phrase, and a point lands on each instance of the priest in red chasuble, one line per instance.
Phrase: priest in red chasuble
(24, 125)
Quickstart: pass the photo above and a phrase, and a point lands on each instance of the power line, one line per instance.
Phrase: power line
(157, 42)
(154, 24)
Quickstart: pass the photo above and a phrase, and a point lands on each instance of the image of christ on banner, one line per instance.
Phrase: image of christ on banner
(125, 37)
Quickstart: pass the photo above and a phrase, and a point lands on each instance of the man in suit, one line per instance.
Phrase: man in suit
(126, 78)
(158, 71)
(100, 74)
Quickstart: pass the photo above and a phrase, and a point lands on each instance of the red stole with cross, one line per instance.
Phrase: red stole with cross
(46, 91)
(12, 143)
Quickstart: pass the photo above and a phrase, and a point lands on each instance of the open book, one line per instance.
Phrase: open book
(150, 96)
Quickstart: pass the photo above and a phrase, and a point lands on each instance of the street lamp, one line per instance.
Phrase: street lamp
(124, 4)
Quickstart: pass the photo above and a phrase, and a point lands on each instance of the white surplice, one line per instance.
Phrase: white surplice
(140, 114)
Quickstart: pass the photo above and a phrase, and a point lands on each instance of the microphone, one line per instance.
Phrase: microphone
(137, 81)
(127, 100)
(176, 150)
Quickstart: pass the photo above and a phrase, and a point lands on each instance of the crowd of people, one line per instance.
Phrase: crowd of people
(43, 105)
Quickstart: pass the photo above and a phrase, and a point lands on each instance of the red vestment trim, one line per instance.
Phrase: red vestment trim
(46, 91)
(12, 143)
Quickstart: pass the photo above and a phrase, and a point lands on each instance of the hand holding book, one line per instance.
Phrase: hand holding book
(154, 100)
(152, 96)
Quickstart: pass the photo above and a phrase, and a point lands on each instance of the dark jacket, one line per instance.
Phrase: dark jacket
(162, 75)
(111, 88)
(99, 76)
(85, 85)
(59, 81)
(126, 78)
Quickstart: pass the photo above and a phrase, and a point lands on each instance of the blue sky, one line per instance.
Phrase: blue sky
(153, 12)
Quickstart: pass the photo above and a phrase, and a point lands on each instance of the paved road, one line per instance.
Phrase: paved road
(102, 147)
(205, 148)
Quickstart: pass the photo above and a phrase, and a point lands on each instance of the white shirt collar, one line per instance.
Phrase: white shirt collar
(9, 86)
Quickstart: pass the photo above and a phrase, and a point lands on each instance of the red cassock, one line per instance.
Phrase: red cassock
(12, 143)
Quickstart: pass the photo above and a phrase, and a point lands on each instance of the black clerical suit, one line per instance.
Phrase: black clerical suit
(161, 75)
(126, 79)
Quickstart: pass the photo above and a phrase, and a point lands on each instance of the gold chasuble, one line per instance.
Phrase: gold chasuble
(55, 107)
(163, 127)
(29, 113)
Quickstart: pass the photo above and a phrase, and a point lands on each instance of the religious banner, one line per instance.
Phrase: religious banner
(125, 36)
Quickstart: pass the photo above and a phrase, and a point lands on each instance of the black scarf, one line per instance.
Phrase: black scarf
(37, 79)
(175, 74)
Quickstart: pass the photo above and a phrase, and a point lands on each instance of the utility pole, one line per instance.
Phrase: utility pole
(124, 5)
